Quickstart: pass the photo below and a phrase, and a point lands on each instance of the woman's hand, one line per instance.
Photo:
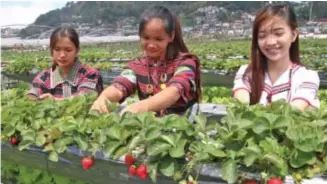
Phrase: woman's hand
(100, 104)
(46, 96)
(133, 108)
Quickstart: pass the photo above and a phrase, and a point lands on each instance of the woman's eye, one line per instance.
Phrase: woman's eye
(279, 33)
(261, 35)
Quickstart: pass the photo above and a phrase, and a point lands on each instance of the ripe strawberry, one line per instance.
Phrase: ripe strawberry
(142, 171)
(129, 160)
(251, 182)
(275, 180)
(87, 162)
(132, 170)
(14, 140)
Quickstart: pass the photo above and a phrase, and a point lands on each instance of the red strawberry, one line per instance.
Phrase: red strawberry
(190, 182)
(142, 171)
(87, 162)
(275, 180)
(251, 182)
(132, 170)
(129, 160)
(14, 140)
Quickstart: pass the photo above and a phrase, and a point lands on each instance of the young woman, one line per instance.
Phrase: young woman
(166, 77)
(68, 76)
(275, 71)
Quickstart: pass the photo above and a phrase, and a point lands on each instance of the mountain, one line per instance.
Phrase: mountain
(109, 14)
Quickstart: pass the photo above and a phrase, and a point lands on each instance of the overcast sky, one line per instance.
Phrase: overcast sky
(25, 12)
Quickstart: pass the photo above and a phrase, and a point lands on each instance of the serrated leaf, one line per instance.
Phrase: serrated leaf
(24, 144)
(215, 151)
(178, 150)
(261, 125)
(229, 171)
(168, 138)
(53, 156)
(168, 166)
(151, 133)
(59, 145)
(201, 120)
(81, 142)
(40, 140)
(135, 142)
(120, 152)
(9, 130)
(158, 147)
(110, 147)
(115, 132)
(302, 158)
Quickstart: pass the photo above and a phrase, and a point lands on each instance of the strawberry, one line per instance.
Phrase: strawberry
(129, 160)
(87, 162)
(132, 170)
(275, 180)
(251, 182)
(14, 140)
(142, 171)
(190, 182)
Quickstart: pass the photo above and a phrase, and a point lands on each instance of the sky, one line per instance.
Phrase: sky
(25, 12)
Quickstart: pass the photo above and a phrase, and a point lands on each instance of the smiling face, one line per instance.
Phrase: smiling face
(275, 37)
(64, 52)
(154, 39)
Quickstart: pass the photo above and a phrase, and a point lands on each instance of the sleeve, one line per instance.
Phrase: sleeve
(126, 82)
(184, 79)
(307, 89)
(90, 82)
(39, 86)
(240, 81)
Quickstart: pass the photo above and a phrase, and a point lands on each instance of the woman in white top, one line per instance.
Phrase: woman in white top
(275, 71)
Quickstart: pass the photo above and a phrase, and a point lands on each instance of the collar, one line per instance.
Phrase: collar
(56, 77)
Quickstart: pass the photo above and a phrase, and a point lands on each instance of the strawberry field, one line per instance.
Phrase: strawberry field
(253, 144)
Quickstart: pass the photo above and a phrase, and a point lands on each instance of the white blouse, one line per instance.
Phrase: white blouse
(300, 84)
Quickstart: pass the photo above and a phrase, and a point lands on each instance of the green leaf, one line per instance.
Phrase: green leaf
(59, 145)
(229, 171)
(168, 166)
(53, 156)
(110, 147)
(201, 120)
(157, 147)
(214, 151)
(281, 122)
(153, 171)
(120, 152)
(115, 132)
(24, 144)
(131, 122)
(40, 140)
(151, 133)
(168, 138)
(275, 160)
(244, 124)
(301, 158)
(178, 150)
(135, 142)
(28, 135)
(9, 130)
(261, 124)
(81, 142)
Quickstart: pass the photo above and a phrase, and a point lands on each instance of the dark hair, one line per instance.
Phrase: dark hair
(258, 65)
(61, 32)
(171, 25)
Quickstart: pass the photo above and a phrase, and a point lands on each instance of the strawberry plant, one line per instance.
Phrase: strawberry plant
(274, 140)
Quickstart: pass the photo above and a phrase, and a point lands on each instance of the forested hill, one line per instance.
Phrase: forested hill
(99, 13)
